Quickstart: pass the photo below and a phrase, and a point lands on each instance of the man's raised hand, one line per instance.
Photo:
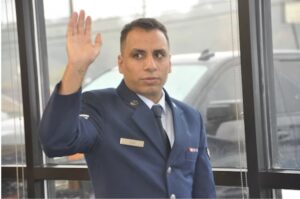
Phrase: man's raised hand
(82, 51)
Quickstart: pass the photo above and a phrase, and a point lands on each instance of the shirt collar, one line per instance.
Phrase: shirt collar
(150, 103)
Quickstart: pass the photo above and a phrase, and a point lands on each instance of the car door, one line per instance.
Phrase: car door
(218, 96)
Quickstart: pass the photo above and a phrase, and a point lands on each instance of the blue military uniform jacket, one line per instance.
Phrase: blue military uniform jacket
(117, 132)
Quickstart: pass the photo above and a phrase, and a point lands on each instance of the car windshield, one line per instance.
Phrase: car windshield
(108, 79)
(180, 82)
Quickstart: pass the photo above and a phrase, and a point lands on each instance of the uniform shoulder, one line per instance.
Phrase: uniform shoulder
(92, 95)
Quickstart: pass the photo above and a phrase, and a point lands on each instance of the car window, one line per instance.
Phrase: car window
(225, 86)
(183, 79)
(287, 86)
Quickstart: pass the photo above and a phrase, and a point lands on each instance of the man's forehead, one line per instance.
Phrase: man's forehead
(137, 32)
(144, 40)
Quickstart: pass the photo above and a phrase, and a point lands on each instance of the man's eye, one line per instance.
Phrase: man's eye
(137, 55)
(159, 55)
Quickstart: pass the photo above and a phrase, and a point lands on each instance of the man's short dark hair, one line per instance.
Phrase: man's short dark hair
(143, 23)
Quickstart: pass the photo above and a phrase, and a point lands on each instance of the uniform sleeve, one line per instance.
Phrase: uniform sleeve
(204, 186)
(63, 130)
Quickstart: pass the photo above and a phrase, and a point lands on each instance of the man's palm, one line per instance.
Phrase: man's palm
(81, 50)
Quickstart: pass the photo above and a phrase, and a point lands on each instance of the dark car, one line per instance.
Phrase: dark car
(211, 83)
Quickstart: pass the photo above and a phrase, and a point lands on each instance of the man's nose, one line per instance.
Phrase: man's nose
(150, 64)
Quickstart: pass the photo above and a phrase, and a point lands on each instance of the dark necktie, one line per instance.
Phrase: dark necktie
(157, 111)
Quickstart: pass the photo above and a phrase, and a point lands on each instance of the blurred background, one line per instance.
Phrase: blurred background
(205, 47)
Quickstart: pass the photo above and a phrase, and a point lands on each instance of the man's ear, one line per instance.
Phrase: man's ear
(120, 63)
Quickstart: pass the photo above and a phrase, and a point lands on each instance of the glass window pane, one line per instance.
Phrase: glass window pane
(285, 24)
(54, 12)
(290, 194)
(12, 124)
(69, 189)
(10, 188)
(212, 82)
(221, 106)
(286, 148)
(232, 192)
(286, 193)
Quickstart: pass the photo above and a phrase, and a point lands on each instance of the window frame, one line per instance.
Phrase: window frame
(256, 58)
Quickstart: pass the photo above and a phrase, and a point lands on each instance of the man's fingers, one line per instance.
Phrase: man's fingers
(98, 40)
(88, 26)
(80, 25)
(72, 27)
(74, 20)
(98, 44)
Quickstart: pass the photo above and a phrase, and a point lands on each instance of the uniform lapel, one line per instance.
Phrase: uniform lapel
(181, 132)
(143, 117)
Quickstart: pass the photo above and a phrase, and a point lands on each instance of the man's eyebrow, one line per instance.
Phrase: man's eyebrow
(161, 50)
(138, 50)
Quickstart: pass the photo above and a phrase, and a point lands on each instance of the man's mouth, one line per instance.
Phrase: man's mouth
(150, 80)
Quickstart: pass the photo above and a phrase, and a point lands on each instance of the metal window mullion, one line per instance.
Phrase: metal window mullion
(42, 55)
(273, 179)
(265, 74)
(253, 84)
(30, 95)
(222, 177)
(269, 86)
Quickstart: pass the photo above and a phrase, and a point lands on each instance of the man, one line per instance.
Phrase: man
(133, 149)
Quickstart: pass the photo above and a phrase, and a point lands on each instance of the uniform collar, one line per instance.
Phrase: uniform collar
(133, 100)
(150, 103)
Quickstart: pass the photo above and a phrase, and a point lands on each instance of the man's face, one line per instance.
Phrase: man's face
(145, 62)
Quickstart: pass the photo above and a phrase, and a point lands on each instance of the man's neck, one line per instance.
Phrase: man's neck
(150, 102)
